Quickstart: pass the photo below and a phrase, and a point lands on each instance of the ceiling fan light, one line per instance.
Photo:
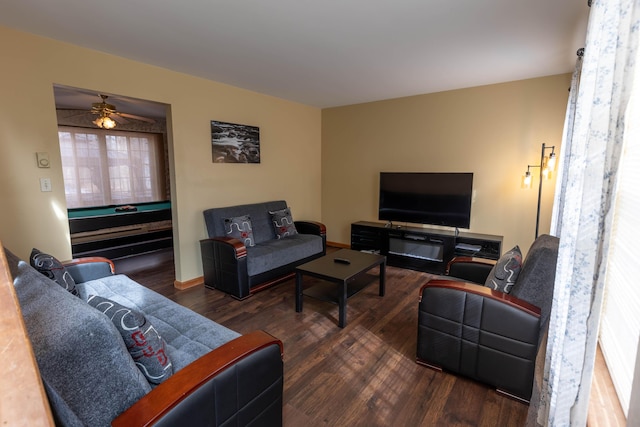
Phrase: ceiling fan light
(108, 123)
(105, 122)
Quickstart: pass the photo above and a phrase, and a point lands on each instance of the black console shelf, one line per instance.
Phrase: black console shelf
(422, 249)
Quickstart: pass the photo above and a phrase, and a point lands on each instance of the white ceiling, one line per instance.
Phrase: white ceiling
(324, 53)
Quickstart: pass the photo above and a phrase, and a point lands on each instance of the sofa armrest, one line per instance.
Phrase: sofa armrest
(482, 291)
(478, 332)
(89, 268)
(470, 269)
(313, 227)
(224, 265)
(248, 369)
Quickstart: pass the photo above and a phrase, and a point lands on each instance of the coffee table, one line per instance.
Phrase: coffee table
(345, 279)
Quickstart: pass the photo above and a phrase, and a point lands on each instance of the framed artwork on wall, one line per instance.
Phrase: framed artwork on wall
(234, 143)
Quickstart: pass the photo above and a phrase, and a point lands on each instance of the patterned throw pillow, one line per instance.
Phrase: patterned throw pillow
(505, 273)
(145, 345)
(283, 223)
(53, 269)
(240, 227)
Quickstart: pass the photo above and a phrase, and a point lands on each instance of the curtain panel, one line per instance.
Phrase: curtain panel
(582, 219)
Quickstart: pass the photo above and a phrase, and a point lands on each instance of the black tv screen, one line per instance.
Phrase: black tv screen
(426, 198)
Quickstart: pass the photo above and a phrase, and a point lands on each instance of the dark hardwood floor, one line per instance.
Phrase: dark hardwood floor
(362, 375)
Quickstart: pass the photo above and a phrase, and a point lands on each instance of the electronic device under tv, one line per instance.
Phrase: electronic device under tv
(435, 198)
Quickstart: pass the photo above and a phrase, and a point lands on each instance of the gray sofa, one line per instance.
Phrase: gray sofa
(241, 269)
(219, 377)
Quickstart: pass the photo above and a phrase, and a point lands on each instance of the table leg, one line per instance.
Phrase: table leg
(382, 278)
(298, 292)
(342, 304)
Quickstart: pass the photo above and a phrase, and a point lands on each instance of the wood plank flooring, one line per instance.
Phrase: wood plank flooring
(362, 375)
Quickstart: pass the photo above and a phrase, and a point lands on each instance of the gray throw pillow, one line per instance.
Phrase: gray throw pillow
(504, 274)
(240, 228)
(283, 223)
(53, 269)
(145, 345)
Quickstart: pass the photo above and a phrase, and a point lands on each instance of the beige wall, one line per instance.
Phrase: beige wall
(290, 144)
(493, 131)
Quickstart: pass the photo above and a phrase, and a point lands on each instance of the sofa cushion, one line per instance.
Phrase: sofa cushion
(83, 346)
(260, 219)
(283, 223)
(240, 227)
(53, 269)
(145, 345)
(188, 335)
(505, 273)
(278, 252)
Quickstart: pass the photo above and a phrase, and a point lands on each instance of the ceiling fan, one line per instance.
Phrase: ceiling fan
(108, 115)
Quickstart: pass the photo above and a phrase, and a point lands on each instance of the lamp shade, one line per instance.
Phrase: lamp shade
(551, 163)
(526, 180)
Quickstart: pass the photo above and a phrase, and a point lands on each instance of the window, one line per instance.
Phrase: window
(620, 322)
(106, 167)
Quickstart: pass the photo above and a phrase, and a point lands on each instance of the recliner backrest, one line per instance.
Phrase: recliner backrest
(536, 279)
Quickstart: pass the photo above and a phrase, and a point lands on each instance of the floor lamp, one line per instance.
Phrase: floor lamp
(546, 166)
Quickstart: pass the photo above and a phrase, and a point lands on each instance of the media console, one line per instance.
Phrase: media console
(422, 249)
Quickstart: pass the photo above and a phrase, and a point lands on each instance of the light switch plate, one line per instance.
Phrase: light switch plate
(45, 184)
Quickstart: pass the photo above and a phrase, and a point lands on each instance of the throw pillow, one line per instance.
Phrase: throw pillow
(240, 227)
(145, 345)
(53, 269)
(283, 223)
(505, 273)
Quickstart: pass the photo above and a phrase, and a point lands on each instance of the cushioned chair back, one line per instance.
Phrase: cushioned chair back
(536, 279)
(260, 219)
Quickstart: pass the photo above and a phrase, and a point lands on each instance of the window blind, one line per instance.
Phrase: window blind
(620, 321)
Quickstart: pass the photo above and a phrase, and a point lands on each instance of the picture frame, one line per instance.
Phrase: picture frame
(234, 143)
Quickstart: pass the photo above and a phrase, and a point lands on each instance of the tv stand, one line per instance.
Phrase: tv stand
(422, 249)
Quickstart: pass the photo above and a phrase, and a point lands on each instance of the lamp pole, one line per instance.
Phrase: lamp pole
(539, 189)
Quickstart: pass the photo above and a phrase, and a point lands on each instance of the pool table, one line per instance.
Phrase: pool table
(114, 233)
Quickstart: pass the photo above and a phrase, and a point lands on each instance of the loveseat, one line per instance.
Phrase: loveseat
(486, 334)
(256, 245)
(93, 377)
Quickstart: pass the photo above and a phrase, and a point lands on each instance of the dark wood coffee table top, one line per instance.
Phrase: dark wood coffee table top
(327, 267)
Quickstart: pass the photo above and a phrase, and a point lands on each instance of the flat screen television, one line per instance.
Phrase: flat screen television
(436, 198)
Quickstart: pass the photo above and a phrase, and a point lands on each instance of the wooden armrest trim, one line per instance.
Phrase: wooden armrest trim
(167, 395)
(485, 292)
(321, 226)
(88, 260)
(238, 246)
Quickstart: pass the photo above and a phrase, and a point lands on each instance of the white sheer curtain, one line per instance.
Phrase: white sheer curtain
(104, 167)
(585, 195)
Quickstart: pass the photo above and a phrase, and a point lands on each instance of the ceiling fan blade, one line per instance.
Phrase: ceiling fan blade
(133, 116)
(117, 118)
(72, 112)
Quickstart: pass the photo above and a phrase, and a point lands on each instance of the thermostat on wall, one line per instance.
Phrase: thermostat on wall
(43, 160)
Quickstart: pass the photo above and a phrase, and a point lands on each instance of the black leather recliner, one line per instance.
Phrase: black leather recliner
(484, 334)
